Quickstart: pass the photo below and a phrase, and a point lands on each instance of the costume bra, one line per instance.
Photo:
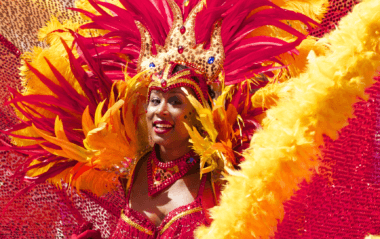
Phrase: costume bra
(179, 223)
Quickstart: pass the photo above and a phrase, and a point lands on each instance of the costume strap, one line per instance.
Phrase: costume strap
(132, 178)
(202, 186)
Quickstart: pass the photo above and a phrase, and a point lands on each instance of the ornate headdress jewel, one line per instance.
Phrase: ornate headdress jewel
(189, 77)
(180, 46)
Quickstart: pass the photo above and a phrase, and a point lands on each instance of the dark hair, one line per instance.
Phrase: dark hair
(179, 68)
(211, 92)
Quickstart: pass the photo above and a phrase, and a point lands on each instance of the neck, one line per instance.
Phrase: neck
(170, 154)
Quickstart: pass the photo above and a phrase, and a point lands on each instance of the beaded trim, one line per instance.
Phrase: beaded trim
(180, 167)
(172, 79)
(179, 83)
(165, 82)
(134, 224)
(10, 46)
(180, 45)
(182, 214)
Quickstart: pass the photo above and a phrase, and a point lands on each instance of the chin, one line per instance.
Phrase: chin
(162, 141)
(169, 142)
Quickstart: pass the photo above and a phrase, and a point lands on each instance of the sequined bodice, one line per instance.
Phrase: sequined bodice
(179, 223)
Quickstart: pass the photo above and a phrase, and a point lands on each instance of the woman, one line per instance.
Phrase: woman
(174, 200)
(111, 141)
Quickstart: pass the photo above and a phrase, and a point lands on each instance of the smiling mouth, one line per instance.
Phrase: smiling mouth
(162, 127)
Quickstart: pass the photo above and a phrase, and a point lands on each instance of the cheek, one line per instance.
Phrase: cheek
(182, 115)
(190, 116)
(149, 117)
(185, 117)
(149, 113)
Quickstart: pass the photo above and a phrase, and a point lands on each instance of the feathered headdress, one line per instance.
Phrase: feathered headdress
(77, 122)
(79, 114)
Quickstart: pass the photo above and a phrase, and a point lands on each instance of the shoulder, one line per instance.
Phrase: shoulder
(126, 182)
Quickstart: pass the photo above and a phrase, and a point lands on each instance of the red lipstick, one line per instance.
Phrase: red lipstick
(162, 126)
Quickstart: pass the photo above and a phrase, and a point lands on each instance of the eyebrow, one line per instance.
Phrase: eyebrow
(178, 92)
(175, 91)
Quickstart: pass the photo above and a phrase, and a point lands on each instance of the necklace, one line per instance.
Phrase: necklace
(162, 175)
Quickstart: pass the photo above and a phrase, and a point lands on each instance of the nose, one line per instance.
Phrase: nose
(163, 108)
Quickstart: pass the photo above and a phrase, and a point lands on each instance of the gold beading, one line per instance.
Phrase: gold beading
(180, 46)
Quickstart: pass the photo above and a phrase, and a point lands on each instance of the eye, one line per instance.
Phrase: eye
(155, 101)
(175, 100)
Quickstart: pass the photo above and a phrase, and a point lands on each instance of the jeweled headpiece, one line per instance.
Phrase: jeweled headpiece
(170, 78)
(180, 46)
(113, 136)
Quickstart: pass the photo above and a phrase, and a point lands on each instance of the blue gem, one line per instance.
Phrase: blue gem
(190, 160)
(151, 65)
(211, 60)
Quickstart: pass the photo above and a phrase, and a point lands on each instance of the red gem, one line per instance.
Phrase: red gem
(158, 177)
(180, 49)
(182, 29)
(163, 83)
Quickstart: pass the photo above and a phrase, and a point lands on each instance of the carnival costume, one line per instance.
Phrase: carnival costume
(260, 134)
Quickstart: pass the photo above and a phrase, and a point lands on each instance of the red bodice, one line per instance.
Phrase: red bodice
(179, 223)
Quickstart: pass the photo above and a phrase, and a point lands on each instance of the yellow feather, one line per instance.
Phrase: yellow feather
(204, 116)
(70, 150)
(87, 123)
(286, 151)
(112, 110)
(372, 237)
(38, 171)
(98, 112)
(57, 152)
(58, 129)
(84, 4)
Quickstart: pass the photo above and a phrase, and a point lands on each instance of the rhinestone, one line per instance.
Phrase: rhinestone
(180, 49)
(151, 65)
(163, 83)
(182, 29)
(211, 60)
(190, 160)
(186, 2)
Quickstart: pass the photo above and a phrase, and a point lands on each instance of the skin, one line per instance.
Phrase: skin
(174, 107)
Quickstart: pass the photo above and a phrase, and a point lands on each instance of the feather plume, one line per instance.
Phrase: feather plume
(97, 129)
(216, 147)
(286, 150)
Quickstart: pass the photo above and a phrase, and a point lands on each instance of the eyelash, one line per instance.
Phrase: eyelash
(156, 101)
(176, 101)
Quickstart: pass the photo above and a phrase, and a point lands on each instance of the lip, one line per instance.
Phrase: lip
(158, 130)
(162, 122)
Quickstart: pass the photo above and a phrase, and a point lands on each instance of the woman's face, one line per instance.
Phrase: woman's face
(166, 114)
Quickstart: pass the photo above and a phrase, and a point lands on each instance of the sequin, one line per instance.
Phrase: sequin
(211, 60)
(179, 223)
(182, 29)
(180, 49)
(152, 65)
(349, 208)
(182, 46)
(162, 175)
